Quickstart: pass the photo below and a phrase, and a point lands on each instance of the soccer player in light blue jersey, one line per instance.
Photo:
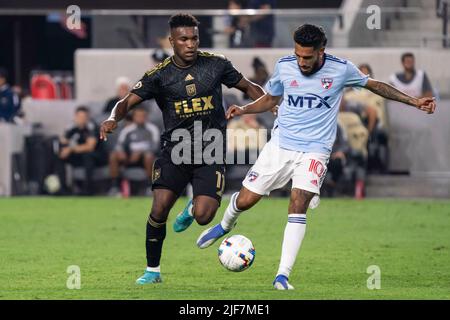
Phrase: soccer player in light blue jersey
(311, 83)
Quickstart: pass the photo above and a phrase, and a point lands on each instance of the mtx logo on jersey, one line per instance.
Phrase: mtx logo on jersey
(310, 100)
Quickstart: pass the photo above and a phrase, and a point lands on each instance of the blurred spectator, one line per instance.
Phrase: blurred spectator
(352, 102)
(123, 86)
(80, 148)
(413, 81)
(159, 55)
(254, 136)
(238, 27)
(136, 147)
(262, 27)
(371, 109)
(260, 74)
(337, 162)
(154, 112)
(357, 137)
(9, 100)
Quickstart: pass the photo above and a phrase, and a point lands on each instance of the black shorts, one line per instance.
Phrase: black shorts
(207, 180)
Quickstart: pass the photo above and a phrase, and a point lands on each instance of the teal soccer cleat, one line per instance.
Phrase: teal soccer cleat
(149, 277)
(184, 219)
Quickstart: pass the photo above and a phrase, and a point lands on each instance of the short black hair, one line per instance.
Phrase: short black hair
(183, 20)
(309, 35)
(82, 109)
(407, 55)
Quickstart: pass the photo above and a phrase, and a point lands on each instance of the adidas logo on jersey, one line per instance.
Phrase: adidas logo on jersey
(189, 77)
(294, 84)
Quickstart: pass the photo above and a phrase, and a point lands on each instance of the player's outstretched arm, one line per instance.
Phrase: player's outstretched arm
(263, 104)
(119, 112)
(427, 104)
(253, 90)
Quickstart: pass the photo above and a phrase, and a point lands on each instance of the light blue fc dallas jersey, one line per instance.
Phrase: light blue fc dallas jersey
(307, 117)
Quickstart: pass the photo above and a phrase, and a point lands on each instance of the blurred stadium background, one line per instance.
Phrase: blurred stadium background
(52, 70)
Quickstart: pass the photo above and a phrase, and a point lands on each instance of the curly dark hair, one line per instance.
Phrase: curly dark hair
(309, 35)
(183, 20)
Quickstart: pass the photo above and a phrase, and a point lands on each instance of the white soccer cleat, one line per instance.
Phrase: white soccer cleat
(211, 235)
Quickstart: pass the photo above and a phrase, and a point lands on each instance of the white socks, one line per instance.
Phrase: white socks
(155, 269)
(293, 236)
(191, 209)
(231, 214)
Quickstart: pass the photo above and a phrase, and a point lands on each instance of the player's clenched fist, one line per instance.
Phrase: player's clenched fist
(427, 104)
(234, 111)
(107, 126)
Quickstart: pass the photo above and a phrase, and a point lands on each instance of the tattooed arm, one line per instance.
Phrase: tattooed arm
(427, 104)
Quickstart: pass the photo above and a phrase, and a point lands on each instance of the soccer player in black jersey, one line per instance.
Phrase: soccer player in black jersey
(188, 90)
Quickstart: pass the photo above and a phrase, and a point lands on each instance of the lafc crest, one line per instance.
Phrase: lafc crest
(191, 89)
(156, 174)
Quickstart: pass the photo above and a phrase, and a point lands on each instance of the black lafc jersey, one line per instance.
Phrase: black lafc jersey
(188, 95)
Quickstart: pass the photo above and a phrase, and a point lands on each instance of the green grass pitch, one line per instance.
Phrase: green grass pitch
(40, 237)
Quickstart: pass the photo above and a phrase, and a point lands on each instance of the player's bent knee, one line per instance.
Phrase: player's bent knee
(204, 219)
(203, 216)
(160, 213)
(245, 201)
(244, 204)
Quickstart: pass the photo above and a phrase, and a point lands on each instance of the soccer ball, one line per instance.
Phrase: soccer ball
(236, 253)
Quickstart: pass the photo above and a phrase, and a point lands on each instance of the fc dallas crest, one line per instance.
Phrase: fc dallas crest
(327, 83)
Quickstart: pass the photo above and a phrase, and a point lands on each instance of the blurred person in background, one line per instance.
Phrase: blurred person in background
(337, 162)
(9, 100)
(137, 145)
(252, 141)
(260, 74)
(413, 81)
(79, 147)
(159, 55)
(123, 86)
(154, 112)
(371, 108)
(262, 27)
(238, 27)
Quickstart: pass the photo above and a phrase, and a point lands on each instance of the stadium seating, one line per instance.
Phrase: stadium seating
(43, 87)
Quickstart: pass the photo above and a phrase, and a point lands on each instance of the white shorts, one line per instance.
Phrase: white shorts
(276, 166)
